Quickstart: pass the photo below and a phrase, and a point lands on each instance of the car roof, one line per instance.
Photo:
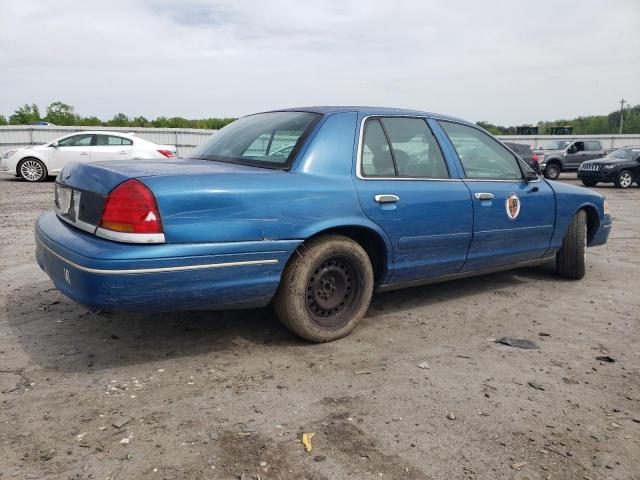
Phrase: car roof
(103, 132)
(366, 111)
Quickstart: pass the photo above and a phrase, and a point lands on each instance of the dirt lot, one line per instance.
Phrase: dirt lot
(227, 394)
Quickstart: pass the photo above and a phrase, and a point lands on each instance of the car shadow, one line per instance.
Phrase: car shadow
(57, 333)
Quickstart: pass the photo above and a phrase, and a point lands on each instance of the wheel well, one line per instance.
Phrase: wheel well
(593, 221)
(368, 239)
(554, 161)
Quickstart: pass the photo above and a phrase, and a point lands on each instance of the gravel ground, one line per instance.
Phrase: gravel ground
(224, 394)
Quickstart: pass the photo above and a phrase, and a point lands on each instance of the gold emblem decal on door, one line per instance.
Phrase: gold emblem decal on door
(512, 206)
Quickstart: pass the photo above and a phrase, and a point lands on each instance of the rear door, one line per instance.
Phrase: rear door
(111, 147)
(405, 186)
(513, 219)
(76, 148)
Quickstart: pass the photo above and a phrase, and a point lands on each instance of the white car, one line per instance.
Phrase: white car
(34, 164)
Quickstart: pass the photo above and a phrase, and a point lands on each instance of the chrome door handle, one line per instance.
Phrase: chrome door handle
(484, 196)
(123, 152)
(386, 198)
(84, 153)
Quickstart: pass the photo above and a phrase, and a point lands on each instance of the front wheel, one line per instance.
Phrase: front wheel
(32, 170)
(589, 183)
(552, 171)
(326, 288)
(571, 259)
(624, 179)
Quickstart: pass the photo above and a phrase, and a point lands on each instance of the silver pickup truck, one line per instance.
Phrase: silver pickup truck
(566, 155)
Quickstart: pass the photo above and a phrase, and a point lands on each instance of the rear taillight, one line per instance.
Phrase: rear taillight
(131, 208)
(535, 158)
(166, 153)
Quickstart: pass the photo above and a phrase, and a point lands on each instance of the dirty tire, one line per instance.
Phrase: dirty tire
(32, 170)
(589, 183)
(624, 179)
(552, 171)
(571, 258)
(325, 289)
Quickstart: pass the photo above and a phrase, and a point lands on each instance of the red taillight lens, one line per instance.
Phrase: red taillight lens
(535, 158)
(131, 208)
(166, 153)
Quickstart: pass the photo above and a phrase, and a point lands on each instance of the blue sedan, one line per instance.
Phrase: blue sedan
(313, 209)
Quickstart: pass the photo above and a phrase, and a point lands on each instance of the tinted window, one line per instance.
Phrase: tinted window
(265, 139)
(481, 156)
(376, 154)
(112, 140)
(415, 150)
(83, 140)
(592, 146)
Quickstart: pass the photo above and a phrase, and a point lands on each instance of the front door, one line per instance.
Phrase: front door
(76, 148)
(513, 219)
(576, 154)
(404, 186)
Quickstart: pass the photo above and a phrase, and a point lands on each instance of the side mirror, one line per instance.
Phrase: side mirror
(55, 144)
(530, 176)
(572, 149)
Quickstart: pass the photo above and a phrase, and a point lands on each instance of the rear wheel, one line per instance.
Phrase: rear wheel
(32, 170)
(589, 183)
(624, 179)
(326, 288)
(572, 257)
(552, 171)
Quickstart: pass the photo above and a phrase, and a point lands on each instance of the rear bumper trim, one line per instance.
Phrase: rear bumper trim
(138, 271)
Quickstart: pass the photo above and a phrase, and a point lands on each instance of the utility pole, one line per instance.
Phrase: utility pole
(621, 114)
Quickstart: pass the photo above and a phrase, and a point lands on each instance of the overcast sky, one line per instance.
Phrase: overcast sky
(507, 62)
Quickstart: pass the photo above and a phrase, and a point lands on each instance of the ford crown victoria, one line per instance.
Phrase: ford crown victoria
(312, 209)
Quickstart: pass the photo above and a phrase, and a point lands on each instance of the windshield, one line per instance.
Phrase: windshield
(556, 145)
(624, 153)
(264, 140)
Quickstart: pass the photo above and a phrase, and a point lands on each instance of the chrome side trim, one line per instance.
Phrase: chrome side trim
(130, 237)
(456, 276)
(361, 146)
(158, 270)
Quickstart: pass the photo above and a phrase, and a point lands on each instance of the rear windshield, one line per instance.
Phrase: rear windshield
(264, 140)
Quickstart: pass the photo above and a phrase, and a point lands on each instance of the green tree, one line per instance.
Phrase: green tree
(119, 120)
(3, 120)
(25, 115)
(90, 122)
(60, 113)
(140, 122)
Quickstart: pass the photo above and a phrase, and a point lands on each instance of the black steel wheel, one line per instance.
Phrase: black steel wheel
(325, 289)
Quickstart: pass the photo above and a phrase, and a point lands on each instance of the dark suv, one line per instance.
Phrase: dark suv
(567, 155)
(622, 167)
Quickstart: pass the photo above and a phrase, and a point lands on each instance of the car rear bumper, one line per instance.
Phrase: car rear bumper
(111, 276)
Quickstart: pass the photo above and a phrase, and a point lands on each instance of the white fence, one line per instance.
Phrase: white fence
(185, 139)
(609, 142)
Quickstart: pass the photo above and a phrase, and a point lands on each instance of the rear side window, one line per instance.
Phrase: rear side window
(106, 140)
(592, 146)
(265, 139)
(403, 147)
(482, 157)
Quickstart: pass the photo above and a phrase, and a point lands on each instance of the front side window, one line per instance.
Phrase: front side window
(76, 141)
(265, 139)
(482, 157)
(403, 147)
